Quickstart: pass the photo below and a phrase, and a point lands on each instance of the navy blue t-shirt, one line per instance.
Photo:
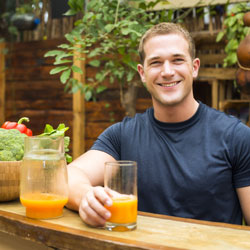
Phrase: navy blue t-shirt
(188, 169)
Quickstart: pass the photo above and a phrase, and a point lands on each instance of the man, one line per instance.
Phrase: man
(193, 161)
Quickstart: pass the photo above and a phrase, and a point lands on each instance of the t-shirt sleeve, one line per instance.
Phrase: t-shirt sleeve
(241, 155)
(110, 141)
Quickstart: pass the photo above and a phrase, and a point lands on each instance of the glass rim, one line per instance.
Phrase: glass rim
(121, 163)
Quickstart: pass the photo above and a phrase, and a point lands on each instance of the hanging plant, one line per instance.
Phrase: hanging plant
(234, 31)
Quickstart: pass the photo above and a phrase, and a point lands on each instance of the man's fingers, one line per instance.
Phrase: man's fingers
(112, 193)
(96, 202)
(90, 217)
(101, 194)
(92, 210)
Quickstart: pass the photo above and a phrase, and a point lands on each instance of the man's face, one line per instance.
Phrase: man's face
(168, 69)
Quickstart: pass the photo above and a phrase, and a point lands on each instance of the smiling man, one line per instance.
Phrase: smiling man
(193, 161)
(168, 68)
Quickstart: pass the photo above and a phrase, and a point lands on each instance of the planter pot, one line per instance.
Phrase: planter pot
(243, 80)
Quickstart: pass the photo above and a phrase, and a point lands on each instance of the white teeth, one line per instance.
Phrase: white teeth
(169, 85)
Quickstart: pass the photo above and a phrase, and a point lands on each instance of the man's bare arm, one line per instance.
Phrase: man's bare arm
(86, 195)
(244, 198)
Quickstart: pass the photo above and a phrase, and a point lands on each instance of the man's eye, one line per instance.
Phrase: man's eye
(154, 62)
(178, 60)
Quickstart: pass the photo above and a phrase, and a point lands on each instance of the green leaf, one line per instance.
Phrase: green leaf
(62, 62)
(62, 127)
(70, 38)
(95, 63)
(68, 158)
(58, 69)
(54, 53)
(77, 5)
(109, 27)
(65, 76)
(63, 55)
(125, 31)
(231, 59)
(70, 13)
(100, 89)
(130, 76)
(100, 76)
(66, 140)
(75, 88)
(88, 95)
(87, 16)
(232, 45)
(220, 35)
(64, 46)
(232, 21)
(76, 69)
(94, 52)
(48, 130)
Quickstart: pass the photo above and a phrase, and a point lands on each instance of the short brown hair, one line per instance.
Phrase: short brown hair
(164, 29)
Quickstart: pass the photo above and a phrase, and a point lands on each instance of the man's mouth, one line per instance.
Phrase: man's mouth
(171, 84)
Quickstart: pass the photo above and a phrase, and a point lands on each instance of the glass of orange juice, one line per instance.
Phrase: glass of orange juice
(120, 181)
(43, 181)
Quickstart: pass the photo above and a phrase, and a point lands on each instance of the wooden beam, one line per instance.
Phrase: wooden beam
(177, 4)
(217, 73)
(215, 88)
(78, 112)
(2, 84)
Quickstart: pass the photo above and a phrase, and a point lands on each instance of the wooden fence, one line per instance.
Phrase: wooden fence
(32, 92)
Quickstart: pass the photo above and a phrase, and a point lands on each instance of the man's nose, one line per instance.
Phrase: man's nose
(167, 69)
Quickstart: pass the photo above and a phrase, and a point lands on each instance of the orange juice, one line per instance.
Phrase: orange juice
(43, 205)
(123, 209)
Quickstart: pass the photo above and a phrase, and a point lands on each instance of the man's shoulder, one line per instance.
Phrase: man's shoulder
(218, 116)
(222, 122)
(138, 118)
(130, 124)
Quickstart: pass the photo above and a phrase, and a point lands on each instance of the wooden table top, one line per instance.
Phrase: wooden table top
(153, 232)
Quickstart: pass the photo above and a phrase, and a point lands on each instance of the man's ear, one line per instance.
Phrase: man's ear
(141, 72)
(196, 66)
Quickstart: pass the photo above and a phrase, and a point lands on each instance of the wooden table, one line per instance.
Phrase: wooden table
(153, 232)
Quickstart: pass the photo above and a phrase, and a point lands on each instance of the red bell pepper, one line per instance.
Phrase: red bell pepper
(18, 125)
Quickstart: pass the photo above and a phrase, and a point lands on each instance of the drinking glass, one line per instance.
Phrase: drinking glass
(120, 181)
(43, 181)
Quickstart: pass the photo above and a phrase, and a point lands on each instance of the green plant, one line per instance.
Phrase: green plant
(234, 32)
(108, 34)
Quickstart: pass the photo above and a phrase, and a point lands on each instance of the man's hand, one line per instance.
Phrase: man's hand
(92, 210)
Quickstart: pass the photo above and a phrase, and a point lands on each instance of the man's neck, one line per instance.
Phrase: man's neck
(175, 113)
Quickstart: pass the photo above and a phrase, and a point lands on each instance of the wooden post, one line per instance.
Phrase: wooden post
(78, 112)
(215, 86)
(2, 84)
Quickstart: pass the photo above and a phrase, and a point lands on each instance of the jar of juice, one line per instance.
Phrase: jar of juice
(43, 182)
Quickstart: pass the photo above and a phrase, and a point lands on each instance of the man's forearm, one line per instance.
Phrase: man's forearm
(79, 185)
